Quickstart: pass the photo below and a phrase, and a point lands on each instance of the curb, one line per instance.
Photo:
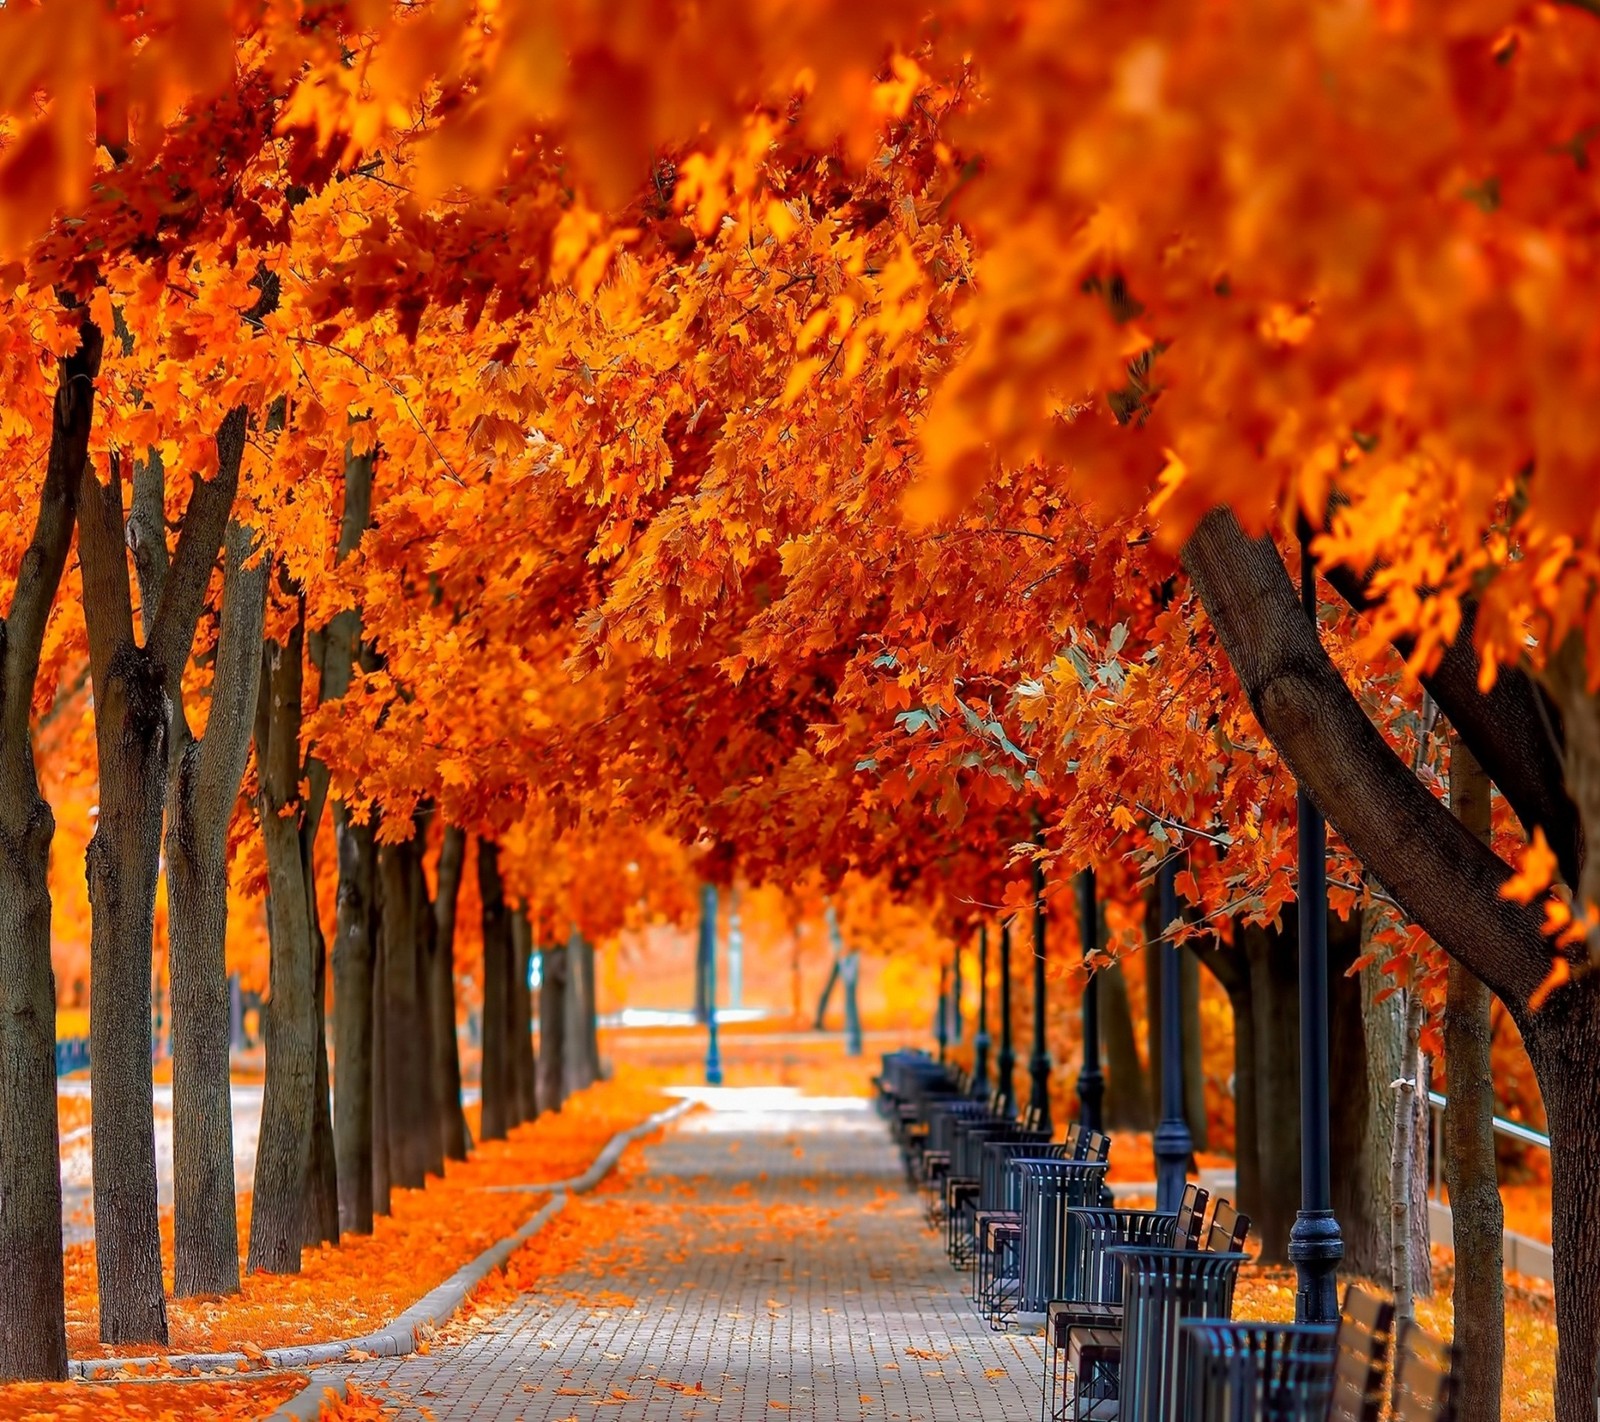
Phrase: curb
(399, 1338)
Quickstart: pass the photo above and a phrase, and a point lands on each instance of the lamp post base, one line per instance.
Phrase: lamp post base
(1316, 1246)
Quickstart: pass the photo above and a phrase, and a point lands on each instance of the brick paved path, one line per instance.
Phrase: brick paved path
(768, 1260)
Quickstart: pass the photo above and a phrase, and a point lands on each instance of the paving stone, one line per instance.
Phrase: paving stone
(776, 1265)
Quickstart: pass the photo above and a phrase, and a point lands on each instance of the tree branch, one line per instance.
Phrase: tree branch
(1441, 875)
(146, 534)
(107, 602)
(39, 575)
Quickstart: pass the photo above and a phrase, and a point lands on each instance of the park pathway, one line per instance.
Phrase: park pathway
(766, 1261)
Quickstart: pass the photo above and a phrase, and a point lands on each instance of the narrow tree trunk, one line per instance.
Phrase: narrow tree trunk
(581, 1070)
(283, 1154)
(429, 1141)
(1476, 1212)
(1127, 1103)
(1401, 1162)
(591, 1013)
(352, 1021)
(33, 1332)
(382, 1203)
(408, 1069)
(524, 1068)
(497, 1083)
(552, 1026)
(442, 997)
(322, 1172)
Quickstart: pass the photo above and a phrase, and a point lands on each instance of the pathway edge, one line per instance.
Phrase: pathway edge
(399, 1337)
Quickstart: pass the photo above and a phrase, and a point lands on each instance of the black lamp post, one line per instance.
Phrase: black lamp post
(708, 946)
(1315, 1243)
(1006, 1060)
(1091, 1080)
(1039, 1063)
(980, 1040)
(1173, 1144)
(941, 1018)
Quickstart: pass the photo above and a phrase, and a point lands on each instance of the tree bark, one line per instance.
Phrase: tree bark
(524, 1068)
(352, 1020)
(1194, 1075)
(1273, 959)
(408, 1068)
(1444, 878)
(1476, 1212)
(498, 1085)
(353, 945)
(201, 794)
(442, 997)
(322, 1171)
(1127, 1102)
(33, 1330)
(578, 1071)
(1230, 965)
(553, 1010)
(283, 1156)
(382, 1201)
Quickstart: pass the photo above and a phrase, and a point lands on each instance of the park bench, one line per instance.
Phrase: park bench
(1265, 1372)
(978, 1149)
(1093, 1277)
(1024, 1259)
(1126, 1361)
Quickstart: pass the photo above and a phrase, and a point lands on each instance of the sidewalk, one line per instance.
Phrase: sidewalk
(767, 1259)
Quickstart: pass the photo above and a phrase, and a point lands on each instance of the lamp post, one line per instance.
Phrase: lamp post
(1039, 1063)
(1006, 1060)
(708, 947)
(980, 1040)
(1173, 1144)
(941, 1017)
(1091, 1080)
(1315, 1243)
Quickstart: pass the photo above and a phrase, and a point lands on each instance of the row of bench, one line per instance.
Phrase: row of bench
(1136, 1305)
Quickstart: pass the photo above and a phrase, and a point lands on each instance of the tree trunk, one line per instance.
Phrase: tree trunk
(201, 793)
(382, 1203)
(132, 716)
(353, 945)
(33, 1330)
(582, 1069)
(352, 1021)
(552, 1026)
(1367, 1241)
(322, 1173)
(442, 997)
(524, 1068)
(1127, 1103)
(1273, 959)
(426, 1109)
(412, 1123)
(498, 1086)
(1476, 1212)
(1230, 966)
(283, 1155)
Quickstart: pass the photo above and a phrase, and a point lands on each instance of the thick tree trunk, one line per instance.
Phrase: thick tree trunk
(442, 997)
(1127, 1102)
(33, 1336)
(498, 1086)
(1476, 1212)
(283, 1155)
(352, 1021)
(1367, 1250)
(1194, 1074)
(132, 715)
(578, 1072)
(552, 1027)
(524, 1068)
